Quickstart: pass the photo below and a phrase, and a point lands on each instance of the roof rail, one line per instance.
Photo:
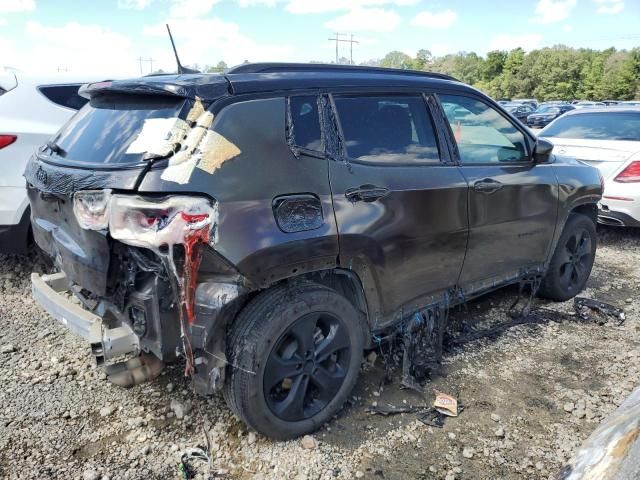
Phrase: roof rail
(328, 67)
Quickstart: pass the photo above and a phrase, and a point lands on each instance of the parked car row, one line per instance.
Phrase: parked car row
(609, 139)
(545, 114)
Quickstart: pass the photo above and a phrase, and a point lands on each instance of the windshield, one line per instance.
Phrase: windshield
(596, 126)
(109, 128)
(548, 109)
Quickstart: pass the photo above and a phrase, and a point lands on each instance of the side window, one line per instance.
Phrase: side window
(387, 129)
(64, 95)
(482, 134)
(306, 122)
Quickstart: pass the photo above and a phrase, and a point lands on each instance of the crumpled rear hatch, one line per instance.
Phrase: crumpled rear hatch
(109, 144)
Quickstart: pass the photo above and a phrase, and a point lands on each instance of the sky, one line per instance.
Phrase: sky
(110, 36)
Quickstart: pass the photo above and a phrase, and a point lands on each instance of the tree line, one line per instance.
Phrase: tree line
(554, 73)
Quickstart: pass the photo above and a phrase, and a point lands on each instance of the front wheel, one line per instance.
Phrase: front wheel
(572, 261)
(294, 354)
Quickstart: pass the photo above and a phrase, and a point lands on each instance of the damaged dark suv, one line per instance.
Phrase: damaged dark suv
(267, 225)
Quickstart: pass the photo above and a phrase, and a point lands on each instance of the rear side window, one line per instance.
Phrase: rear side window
(64, 95)
(387, 129)
(116, 128)
(306, 122)
(596, 126)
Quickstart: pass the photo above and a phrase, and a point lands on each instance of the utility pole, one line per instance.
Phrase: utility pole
(351, 41)
(150, 60)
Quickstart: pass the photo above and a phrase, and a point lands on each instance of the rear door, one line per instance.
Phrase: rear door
(512, 201)
(400, 204)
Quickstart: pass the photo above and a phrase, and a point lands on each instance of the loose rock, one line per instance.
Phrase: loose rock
(308, 442)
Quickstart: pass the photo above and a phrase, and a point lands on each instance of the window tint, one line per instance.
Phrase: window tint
(387, 129)
(64, 95)
(306, 122)
(596, 126)
(482, 134)
(107, 129)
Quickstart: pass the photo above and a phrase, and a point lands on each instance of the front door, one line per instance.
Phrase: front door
(400, 205)
(512, 201)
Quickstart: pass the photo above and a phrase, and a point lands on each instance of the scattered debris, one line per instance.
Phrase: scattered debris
(389, 409)
(583, 305)
(495, 417)
(422, 344)
(432, 418)
(531, 281)
(185, 470)
(446, 404)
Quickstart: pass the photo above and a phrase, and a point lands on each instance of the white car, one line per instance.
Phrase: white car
(32, 109)
(609, 139)
(585, 104)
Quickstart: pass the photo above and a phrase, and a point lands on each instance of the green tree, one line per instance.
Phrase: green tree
(423, 60)
(396, 59)
(554, 73)
(494, 64)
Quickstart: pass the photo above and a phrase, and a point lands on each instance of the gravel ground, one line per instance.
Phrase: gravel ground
(531, 396)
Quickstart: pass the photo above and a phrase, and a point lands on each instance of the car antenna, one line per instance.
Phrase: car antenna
(181, 69)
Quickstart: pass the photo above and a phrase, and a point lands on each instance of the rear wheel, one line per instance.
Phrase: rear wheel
(295, 354)
(572, 261)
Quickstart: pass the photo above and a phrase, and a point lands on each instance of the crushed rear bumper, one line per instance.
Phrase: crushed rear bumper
(51, 292)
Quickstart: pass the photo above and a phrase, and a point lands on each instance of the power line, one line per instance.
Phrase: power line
(150, 60)
(350, 41)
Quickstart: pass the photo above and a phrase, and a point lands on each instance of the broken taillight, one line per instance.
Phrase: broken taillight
(6, 140)
(630, 174)
(144, 222)
(91, 208)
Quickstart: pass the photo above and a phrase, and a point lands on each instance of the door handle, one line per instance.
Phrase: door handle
(488, 185)
(366, 193)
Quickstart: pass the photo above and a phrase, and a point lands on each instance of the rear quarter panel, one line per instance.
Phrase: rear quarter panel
(245, 187)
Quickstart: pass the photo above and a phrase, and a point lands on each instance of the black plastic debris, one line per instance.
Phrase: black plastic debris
(389, 409)
(422, 345)
(521, 307)
(432, 418)
(185, 470)
(584, 305)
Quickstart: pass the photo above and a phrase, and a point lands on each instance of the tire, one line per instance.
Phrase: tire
(282, 380)
(572, 260)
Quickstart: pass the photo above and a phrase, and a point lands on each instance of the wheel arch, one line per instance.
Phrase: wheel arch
(348, 284)
(588, 209)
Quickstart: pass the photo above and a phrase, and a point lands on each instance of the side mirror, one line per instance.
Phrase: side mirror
(542, 151)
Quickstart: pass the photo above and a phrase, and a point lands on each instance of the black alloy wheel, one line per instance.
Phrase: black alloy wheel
(572, 260)
(307, 366)
(576, 260)
(294, 354)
